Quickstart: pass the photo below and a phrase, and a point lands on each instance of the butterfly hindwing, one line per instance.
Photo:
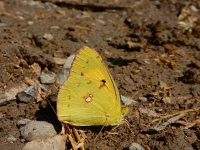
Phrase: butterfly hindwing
(89, 96)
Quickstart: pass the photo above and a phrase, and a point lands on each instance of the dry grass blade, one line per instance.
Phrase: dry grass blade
(159, 126)
(177, 113)
(189, 124)
(78, 139)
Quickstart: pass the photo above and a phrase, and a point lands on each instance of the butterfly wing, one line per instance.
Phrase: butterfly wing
(89, 96)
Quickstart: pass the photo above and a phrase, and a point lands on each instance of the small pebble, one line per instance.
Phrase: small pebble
(32, 90)
(47, 77)
(22, 140)
(127, 100)
(143, 99)
(59, 61)
(11, 93)
(25, 98)
(37, 130)
(109, 39)
(11, 139)
(29, 94)
(55, 27)
(194, 8)
(30, 22)
(167, 100)
(48, 36)
(136, 146)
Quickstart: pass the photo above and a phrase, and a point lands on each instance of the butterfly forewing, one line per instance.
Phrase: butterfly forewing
(89, 96)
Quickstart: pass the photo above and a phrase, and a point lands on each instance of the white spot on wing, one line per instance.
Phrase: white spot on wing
(88, 98)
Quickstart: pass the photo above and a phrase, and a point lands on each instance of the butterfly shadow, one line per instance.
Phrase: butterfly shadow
(47, 112)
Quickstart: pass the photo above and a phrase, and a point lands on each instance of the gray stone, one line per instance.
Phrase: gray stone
(11, 93)
(29, 94)
(37, 130)
(23, 122)
(127, 100)
(24, 97)
(47, 77)
(57, 142)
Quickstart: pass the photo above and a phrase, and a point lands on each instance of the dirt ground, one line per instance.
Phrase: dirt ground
(152, 49)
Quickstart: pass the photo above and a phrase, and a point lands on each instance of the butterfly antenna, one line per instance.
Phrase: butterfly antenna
(127, 123)
(99, 132)
(52, 107)
(92, 147)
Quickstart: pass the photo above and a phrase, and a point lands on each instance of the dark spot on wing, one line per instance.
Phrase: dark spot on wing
(89, 82)
(103, 83)
(82, 74)
(68, 105)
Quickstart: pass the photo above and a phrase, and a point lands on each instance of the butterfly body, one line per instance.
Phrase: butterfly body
(89, 97)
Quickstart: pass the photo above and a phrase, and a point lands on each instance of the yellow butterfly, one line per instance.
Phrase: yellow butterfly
(89, 97)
